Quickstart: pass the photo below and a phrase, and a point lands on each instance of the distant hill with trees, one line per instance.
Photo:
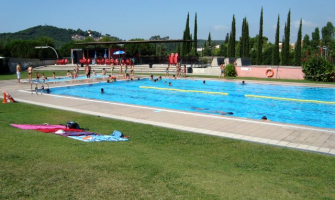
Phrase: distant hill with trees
(60, 35)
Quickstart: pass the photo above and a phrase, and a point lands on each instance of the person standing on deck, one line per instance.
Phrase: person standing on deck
(30, 71)
(18, 72)
(222, 67)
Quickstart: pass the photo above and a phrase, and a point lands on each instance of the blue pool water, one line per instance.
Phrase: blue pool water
(199, 100)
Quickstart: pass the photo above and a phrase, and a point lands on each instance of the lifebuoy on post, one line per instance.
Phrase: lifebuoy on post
(269, 73)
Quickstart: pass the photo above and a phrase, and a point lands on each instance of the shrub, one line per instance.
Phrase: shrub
(204, 60)
(317, 68)
(230, 70)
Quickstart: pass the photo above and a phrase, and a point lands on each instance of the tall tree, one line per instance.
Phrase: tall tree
(306, 46)
(209, 40)
(315, 38)
(244, 41)
(307, 41)
(232, 39)
(275, 53)
(286, 43)
(195, 34)
(187, 36)
(226, 41)
(241, 50)
(297, 49)
(260, 40)
(328, 33)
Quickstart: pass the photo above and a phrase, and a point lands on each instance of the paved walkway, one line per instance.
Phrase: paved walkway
(272, 133)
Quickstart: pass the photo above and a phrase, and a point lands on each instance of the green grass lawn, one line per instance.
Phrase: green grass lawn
(156, 163)
(24, 75)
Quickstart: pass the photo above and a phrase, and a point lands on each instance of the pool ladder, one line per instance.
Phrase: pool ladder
(36, 87)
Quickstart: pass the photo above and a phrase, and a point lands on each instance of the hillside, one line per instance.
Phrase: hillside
(60, 35)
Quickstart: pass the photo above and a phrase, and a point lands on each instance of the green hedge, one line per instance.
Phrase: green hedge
(317, 68)
(230, 70)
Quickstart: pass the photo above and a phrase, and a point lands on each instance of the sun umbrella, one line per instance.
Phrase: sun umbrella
(119, 53)
(95, 58)
(105, 55)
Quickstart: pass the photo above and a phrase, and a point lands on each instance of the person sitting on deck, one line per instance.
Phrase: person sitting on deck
(103, 72)
(69, 74)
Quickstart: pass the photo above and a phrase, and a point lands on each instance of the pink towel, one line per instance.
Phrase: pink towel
(37, 126)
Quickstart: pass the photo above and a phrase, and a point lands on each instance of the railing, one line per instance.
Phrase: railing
(37, 82)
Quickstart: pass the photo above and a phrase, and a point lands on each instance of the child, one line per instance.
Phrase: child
(69, 74)
(38, 76)
(185, 71)
(103, 72)
(75, 72)
(43, 77)
(54, 75)
(112, 68)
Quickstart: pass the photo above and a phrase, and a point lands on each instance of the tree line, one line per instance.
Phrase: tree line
(259, 49)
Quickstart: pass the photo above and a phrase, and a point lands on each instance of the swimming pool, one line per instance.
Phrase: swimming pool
(288, 104)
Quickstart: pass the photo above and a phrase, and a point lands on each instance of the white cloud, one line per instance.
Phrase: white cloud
(306, 24)
(221, 28)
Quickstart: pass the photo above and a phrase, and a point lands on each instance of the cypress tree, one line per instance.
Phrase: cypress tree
(186, 45)
(229, 46)
(226, 41)
(244, 41)
(232, 39)
(297, 49)
(275, 53)
(307, 43)
(247, 43)
(286, 43)
(315, 38)
(195, 34)
(209, 40)
(260, 40)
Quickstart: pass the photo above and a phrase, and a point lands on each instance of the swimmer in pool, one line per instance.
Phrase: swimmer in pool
(102, 90)
(224, 113)
(264, 118)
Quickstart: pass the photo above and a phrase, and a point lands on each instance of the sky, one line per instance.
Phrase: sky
(129, 19)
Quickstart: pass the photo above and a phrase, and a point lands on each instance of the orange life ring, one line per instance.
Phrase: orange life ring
(269, 73)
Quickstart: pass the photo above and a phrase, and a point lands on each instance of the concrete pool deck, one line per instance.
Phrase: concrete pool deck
(306, 138)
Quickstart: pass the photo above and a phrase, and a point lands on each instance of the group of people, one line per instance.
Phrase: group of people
(126, 73)
(30, 72)
(180, 72)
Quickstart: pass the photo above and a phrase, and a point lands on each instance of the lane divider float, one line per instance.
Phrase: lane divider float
(178, 90)
(289, 99)
(247, 95)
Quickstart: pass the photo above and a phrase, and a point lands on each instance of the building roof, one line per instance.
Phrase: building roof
(134, 42)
